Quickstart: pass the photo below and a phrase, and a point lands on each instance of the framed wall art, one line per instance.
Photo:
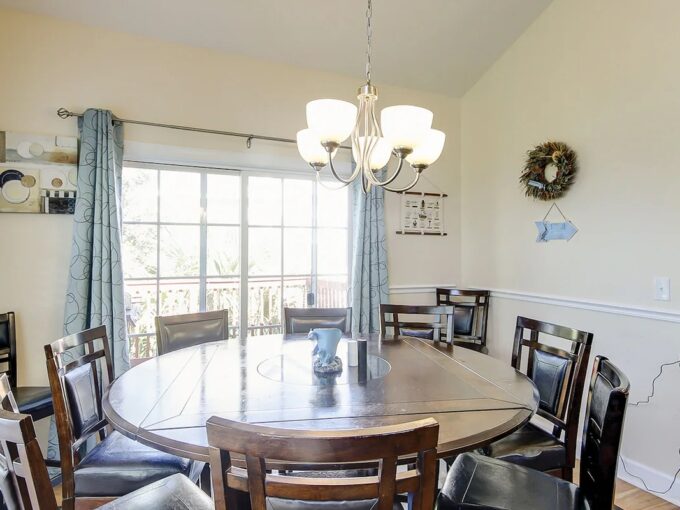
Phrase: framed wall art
(422, 213)
(38, 173)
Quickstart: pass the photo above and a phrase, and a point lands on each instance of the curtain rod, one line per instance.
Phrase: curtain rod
(65, 114)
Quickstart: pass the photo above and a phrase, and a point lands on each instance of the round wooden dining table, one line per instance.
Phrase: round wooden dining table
(166, 401)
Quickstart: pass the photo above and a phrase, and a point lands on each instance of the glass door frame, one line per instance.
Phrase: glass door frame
(244, 175)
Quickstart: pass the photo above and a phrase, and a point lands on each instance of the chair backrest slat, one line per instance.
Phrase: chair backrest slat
(301, 320)
(175, 332)
(434, 330)
(30, 487)
(559, 374)
(381, 446)
(602, 431)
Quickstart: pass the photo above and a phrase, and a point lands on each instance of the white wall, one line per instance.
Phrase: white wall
(603, 77)
(56, 64)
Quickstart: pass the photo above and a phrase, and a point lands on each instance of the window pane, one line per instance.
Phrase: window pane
(297, 203)
(140, 194)
(139, 251)
(140, 306)
(295, 292)
(332, 251)
(143, 346)
(297, 251)
(331, 207)
(264, 306)
(178, 296)
(179, 250)
(224, 204)
(180, 197)
(224, 251)
(225, 294)
(264, 201)
(264, 251)
(331, 292)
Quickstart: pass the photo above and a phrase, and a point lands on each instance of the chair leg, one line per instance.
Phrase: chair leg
(205, 481)
(567, 474)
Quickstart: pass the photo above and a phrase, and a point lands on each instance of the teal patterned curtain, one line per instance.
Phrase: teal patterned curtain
(370, 284)
(95, 286)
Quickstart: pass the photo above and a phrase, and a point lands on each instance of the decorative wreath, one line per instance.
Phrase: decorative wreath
(533, 177)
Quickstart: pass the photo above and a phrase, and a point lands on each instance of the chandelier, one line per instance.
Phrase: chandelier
(404, 132)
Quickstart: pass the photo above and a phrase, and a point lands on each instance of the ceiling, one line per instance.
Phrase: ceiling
(438, 45)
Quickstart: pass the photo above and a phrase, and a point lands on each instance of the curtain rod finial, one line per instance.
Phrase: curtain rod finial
(64, 113)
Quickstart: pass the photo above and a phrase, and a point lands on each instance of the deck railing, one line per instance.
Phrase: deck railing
(266, 299)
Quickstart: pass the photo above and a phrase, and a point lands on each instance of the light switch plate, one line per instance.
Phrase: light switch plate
(662, 288)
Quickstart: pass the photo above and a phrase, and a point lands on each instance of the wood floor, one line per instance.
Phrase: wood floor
(629, 497)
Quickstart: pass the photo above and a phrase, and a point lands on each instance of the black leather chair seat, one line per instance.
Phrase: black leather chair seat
(34, 400)
(481, 483)
(291, 504)
(175, 492)
(118, 466)
(530, 446)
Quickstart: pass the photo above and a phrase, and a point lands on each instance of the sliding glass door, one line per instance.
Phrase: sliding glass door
(188, 231)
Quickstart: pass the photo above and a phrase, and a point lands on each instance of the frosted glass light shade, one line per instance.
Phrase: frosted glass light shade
(331, 119)
(379, 156)
(405, 126)
(428, 150)
(310, 148)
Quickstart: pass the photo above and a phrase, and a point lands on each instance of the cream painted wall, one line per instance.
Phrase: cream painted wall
(56, 64)
(601, 76)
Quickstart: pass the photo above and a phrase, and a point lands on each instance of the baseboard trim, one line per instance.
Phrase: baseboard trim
(654, 479)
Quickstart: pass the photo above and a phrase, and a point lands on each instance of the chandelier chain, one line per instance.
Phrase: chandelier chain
(369, 34)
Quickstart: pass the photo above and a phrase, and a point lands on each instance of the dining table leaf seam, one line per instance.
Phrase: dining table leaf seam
(511, 405)
(199, 380)
(162, 394)
(428, 345)
(280, 420)
(184, 427)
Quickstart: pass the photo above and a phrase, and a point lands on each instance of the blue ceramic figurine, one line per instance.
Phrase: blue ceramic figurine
(327, 340)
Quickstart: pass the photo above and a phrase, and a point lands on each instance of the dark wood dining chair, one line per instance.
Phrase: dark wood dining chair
(431, 330)
(33, 400)
(559, 376)
(175, 332)
(302, 320)
(470, 316)
(481, 482)
(79, 368)
(26, 484)
(381, 445)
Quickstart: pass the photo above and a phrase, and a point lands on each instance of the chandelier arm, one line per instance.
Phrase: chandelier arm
(337, 176)
(365, 185)
(405, 188)
(331, 188)
(396, 173)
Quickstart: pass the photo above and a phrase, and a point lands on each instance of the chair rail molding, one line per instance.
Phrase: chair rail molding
(636, 311)
(418, 288)
(640, 312)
